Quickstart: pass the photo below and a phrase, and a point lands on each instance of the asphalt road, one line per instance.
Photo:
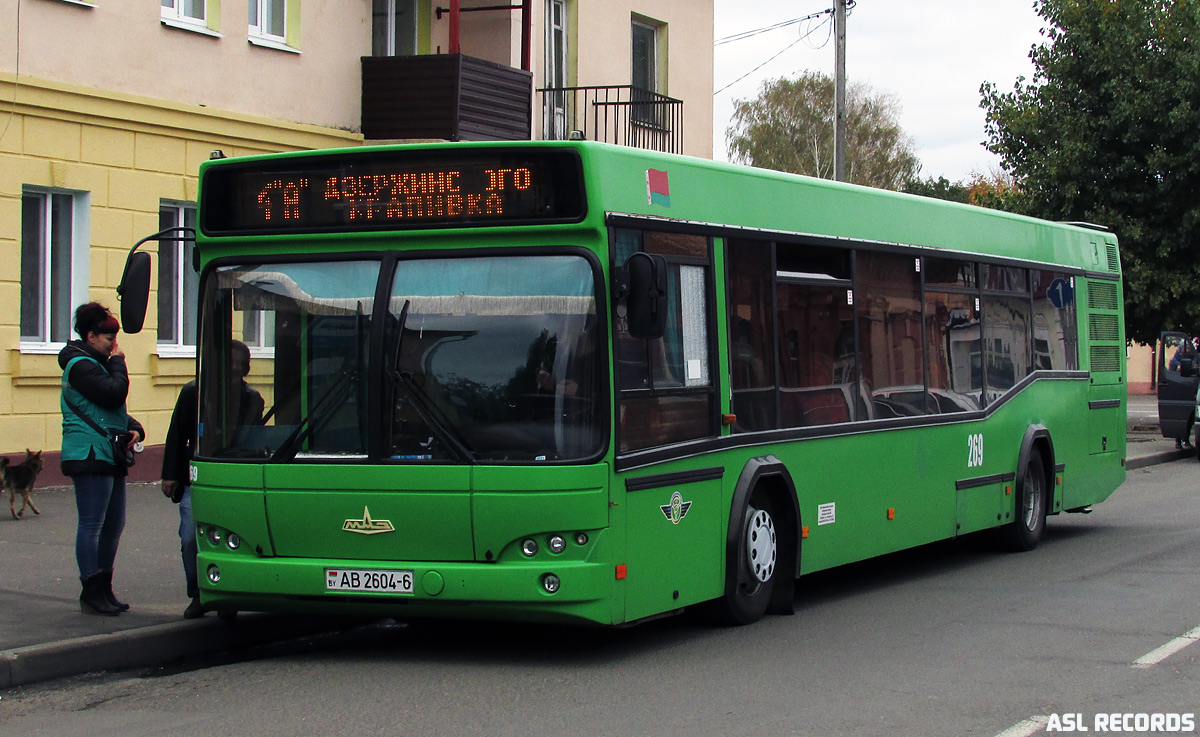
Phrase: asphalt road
(952, 639)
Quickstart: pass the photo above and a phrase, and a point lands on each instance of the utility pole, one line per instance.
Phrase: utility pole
(839, 93)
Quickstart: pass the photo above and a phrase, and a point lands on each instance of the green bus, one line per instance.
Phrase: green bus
(574, 382)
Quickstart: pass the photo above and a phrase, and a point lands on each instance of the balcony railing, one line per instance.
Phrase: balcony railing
(620, 114)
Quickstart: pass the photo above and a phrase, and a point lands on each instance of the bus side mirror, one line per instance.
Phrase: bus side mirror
(1187, 367)
(134, 292)
(646, 295)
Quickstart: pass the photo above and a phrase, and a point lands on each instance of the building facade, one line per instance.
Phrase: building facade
(107, 108)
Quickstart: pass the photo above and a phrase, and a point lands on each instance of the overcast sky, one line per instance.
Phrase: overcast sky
(932, 55)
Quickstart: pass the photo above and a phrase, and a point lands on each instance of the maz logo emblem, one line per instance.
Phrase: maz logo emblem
(367, 526)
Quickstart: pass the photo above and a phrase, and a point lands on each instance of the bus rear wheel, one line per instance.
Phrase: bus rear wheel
(752, 579)
(1025, 532)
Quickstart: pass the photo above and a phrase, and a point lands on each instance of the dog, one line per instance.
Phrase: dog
(19, 479)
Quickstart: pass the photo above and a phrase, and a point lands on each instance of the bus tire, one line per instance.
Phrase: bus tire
(752, 579)
(1026, 530)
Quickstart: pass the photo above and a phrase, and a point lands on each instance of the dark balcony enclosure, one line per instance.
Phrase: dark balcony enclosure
(446, 96)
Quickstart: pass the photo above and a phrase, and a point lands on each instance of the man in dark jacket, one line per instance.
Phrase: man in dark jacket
(179, 449)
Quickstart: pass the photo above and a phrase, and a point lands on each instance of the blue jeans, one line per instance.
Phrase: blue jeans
(187, 542)
(100, 501)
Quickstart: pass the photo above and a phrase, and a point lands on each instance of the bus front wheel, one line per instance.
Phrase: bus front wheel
(752, 579)
(1025, 532)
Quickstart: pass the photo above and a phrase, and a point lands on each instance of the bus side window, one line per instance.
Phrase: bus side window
(664, 384)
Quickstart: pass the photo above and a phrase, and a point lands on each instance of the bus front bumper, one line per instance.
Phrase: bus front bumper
(541, 590)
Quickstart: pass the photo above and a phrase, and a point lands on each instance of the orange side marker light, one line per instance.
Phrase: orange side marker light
(891, 513)
(621, 572)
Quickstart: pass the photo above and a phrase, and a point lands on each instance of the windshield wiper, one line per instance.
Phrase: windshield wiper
(417, 397)
(337, 388)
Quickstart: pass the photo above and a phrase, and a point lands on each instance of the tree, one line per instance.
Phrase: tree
(940, 188)
(996, 190)
(1108, 132)
(789, 127)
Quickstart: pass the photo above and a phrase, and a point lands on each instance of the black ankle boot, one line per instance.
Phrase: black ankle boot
(106, 576)
(93, 600)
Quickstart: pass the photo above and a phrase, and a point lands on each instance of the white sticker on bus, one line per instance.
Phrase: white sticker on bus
(826, 513)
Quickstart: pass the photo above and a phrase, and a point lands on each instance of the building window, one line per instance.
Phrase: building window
(394, 27)
(555, 123)
(177, 281)
(645, 57)
(647, 109)
(54, 264)
(268, 20)
(183, 10)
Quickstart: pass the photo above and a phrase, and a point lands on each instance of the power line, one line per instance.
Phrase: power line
(803, 36)
(828, 16)
(783, 24)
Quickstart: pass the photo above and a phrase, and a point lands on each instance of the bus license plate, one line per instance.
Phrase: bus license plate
(355, 579)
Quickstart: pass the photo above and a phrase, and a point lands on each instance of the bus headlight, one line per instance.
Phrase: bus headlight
(529, 548)
(233, 541)
(550, 583)
(557, 544)
(214, 535)
(214, 574)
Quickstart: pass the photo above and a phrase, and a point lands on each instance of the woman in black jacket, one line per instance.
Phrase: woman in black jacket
(94, 387)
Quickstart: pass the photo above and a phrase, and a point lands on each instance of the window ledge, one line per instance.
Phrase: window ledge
(80, 3)
(270, 43)
(190, 26)
(42, 349)
(176, 351)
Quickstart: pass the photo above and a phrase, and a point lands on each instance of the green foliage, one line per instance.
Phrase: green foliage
(1108, 131)
(940, 188)
(999, 192)
(789, 127)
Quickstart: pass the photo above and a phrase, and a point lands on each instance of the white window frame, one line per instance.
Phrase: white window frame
(554, 125)
(259, 34)
(391, 31)
(263, 344)
(79, 266)
(173, 14)
(177, 347)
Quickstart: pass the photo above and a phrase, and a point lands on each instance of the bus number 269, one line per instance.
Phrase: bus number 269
(974, 450)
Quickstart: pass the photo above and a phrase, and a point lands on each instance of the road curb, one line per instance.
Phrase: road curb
(1153, 459)
(156, 645)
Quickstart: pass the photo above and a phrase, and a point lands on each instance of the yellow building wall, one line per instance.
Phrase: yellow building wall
(128, 153)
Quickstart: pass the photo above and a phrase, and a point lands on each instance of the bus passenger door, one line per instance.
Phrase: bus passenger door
(1177, 382)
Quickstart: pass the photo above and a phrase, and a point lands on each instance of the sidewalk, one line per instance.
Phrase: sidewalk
(43, 635)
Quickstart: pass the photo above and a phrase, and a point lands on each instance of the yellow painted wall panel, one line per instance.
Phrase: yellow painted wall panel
(160, 153)
(17, 171)
(107, 146)
(113, 229)
(140, 190)
(12, 134)
(53, 139)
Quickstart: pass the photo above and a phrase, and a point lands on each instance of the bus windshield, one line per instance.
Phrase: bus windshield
(484, 359)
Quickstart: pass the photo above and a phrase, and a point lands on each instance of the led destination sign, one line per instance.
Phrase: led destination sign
(396, 189)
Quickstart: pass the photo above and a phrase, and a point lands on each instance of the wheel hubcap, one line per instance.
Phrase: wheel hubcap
(761, 549)
(1033, 499)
